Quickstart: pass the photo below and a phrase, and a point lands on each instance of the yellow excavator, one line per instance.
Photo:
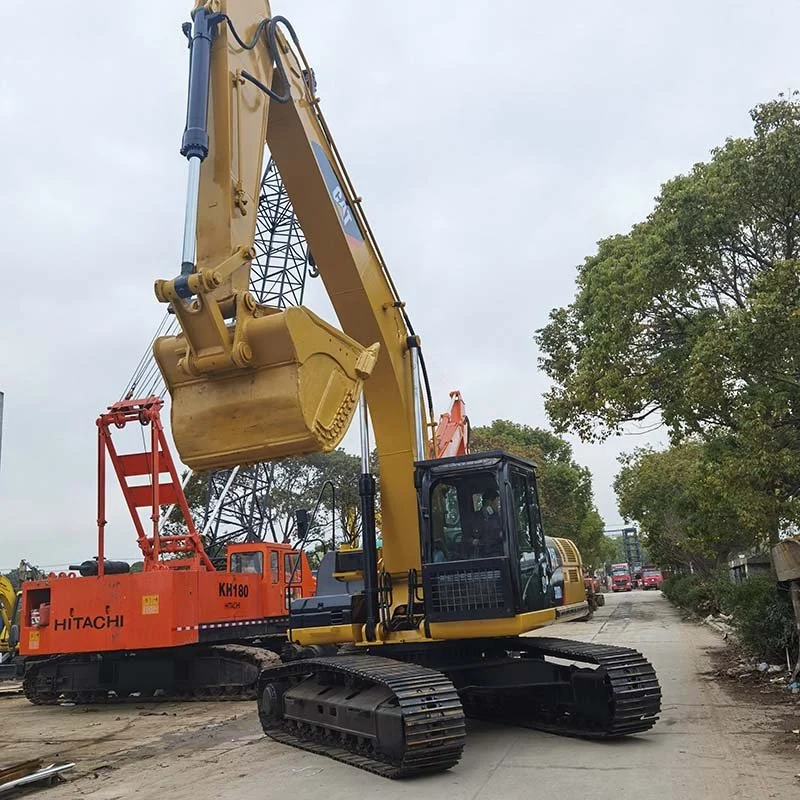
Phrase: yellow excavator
(9, 606)
(402, 641)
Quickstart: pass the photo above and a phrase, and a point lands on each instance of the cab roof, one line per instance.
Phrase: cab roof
(489, 458)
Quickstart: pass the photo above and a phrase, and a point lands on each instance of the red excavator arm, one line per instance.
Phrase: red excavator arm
(452, 432)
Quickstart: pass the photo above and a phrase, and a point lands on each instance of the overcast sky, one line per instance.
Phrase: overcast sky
(493, 143)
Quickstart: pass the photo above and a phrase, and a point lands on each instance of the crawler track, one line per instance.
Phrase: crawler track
(619, 697)
(418, 706)
(634, 694)
(218, 672)
(397, 717)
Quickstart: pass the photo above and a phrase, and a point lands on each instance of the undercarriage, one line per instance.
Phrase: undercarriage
(405, 715)
(195, 672)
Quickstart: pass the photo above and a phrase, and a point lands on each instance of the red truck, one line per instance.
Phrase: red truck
(621, 578)
(652, 578)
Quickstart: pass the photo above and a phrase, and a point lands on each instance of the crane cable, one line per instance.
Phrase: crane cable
(146, 379)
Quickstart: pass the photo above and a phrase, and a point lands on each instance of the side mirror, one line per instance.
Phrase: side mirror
(13, 636)
(301, 517)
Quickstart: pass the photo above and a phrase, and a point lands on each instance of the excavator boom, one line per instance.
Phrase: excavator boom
(251, 383)
(452, 432)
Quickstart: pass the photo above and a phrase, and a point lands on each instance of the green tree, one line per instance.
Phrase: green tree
(565, 488)
(292, 483)
(616, 553)
(609, 551)
(690, 513)
(692, 319)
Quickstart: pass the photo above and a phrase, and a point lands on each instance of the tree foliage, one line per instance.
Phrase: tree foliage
(290, 484)
(565, 488)
(693, 315)
(692, 319)
(690, 513)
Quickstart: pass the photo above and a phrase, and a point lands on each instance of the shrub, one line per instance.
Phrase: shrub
(763, 618)
(675, 588)
(761, 610)
(705, 594)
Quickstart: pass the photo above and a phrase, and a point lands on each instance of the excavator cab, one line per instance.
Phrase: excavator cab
(483, 547)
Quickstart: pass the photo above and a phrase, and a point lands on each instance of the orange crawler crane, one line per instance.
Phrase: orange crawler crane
(179, 627)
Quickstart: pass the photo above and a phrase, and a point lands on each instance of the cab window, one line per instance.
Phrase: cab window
(273, 565)
(537, 531)
(522, 517)
(248, 563)
(446, 522)
(465, 519)
(289, 560)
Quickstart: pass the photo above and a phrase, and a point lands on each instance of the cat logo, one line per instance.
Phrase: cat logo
(341, 201)
(343, 210)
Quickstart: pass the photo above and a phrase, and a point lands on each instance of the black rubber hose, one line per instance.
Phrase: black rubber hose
(272, 48)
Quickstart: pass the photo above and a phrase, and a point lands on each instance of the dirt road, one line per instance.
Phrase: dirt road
(708, 744)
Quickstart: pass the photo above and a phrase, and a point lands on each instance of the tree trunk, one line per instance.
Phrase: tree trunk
(775, 528)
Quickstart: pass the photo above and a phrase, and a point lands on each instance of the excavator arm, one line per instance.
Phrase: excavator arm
(250, 383)
(452, 432)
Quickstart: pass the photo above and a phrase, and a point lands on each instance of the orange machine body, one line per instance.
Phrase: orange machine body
(178, 598)
(164, 608)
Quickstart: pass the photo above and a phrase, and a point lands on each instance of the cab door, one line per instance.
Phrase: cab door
(528, 542)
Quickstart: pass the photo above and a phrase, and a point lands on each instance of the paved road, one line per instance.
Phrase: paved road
(705, 746)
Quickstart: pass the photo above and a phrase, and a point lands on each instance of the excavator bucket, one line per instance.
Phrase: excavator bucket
(297, 395)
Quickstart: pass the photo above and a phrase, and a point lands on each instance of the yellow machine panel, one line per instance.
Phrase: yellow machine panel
(572, 567)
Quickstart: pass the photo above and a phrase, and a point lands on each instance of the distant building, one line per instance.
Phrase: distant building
(746, 566)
